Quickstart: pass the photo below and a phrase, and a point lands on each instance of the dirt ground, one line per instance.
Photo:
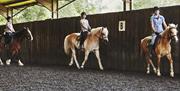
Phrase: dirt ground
(53, 78)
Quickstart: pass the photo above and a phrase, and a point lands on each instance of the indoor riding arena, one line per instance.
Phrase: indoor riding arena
(46, 65)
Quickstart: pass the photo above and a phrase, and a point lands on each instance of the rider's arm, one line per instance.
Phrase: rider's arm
(152, 24)
(164, 23)
(89, 27)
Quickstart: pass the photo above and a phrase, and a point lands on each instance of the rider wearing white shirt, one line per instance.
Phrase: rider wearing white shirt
(9, 25)
(85, 28)
(9, 30)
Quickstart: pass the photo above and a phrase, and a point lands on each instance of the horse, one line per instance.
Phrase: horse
(91, 44)
(161, 49)
(14, 48)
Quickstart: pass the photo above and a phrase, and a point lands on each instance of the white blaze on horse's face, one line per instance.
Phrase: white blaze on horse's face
(105, 33)
(30, 34)
(174, 31)
(174, 34)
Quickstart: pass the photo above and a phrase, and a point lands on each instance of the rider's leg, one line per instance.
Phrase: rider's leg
(81, 40)
(84, 37)
(152, 42)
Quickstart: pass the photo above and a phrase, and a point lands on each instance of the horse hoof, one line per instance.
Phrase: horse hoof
(158, 74)
(172, 74)
(78, 67)
(155, 71)
(8, 62)
(101, 69)
(82, 67)
(148, 72)
(1, 64)
(21, 64)
(70, 64)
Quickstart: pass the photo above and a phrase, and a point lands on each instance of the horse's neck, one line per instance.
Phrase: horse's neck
(19, 36)
(95, 35)
(165, 38)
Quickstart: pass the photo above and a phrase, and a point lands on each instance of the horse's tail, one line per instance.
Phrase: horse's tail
(67, 46)
(141, 47)
(144, 46)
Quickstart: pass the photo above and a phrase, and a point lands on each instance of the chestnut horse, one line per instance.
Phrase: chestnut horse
(14, 48)
(162, 48)
(91, 44)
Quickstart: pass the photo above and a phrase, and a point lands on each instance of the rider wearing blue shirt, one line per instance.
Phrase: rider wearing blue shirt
(157, 23)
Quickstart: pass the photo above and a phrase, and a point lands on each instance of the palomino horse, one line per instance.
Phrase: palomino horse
(162, 48)
(14, 48)
(91, 44)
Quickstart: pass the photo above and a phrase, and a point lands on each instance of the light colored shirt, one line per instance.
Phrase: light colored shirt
(84, 25)
(9, 27)
(158, 23)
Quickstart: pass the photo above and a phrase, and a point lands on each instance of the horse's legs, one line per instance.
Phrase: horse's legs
(20, 63)
(154, 68)
(71, 62)
(8, 61)
(158, 64)
(85, 58)
(1, 63)
(75, 59)
(18, 57)
(99, 60)
(171, 65)
(148, 66)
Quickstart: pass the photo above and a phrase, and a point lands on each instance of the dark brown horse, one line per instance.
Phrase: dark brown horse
(162, 48)
(14, 48)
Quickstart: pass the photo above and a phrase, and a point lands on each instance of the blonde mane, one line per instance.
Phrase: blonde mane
(95, 30)
(166, 31)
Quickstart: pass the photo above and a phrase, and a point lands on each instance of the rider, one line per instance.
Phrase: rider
(9, 30)
(85, 28)
(157, 23)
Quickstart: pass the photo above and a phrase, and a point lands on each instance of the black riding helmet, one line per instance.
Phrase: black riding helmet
(8, 18)
(156, 8)
(83, 13)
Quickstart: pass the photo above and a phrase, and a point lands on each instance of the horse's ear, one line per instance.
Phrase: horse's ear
(176, 25)
(102, 28)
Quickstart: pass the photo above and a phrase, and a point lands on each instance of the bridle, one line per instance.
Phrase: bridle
(171, 36)
(102, 34)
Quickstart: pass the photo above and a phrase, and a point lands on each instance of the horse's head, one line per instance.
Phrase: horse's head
(173, 31)
(104, 34)
(28, 33)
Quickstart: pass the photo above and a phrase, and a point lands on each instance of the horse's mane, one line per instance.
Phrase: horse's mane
(96, 30)
(19, 33)
(168, 29)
